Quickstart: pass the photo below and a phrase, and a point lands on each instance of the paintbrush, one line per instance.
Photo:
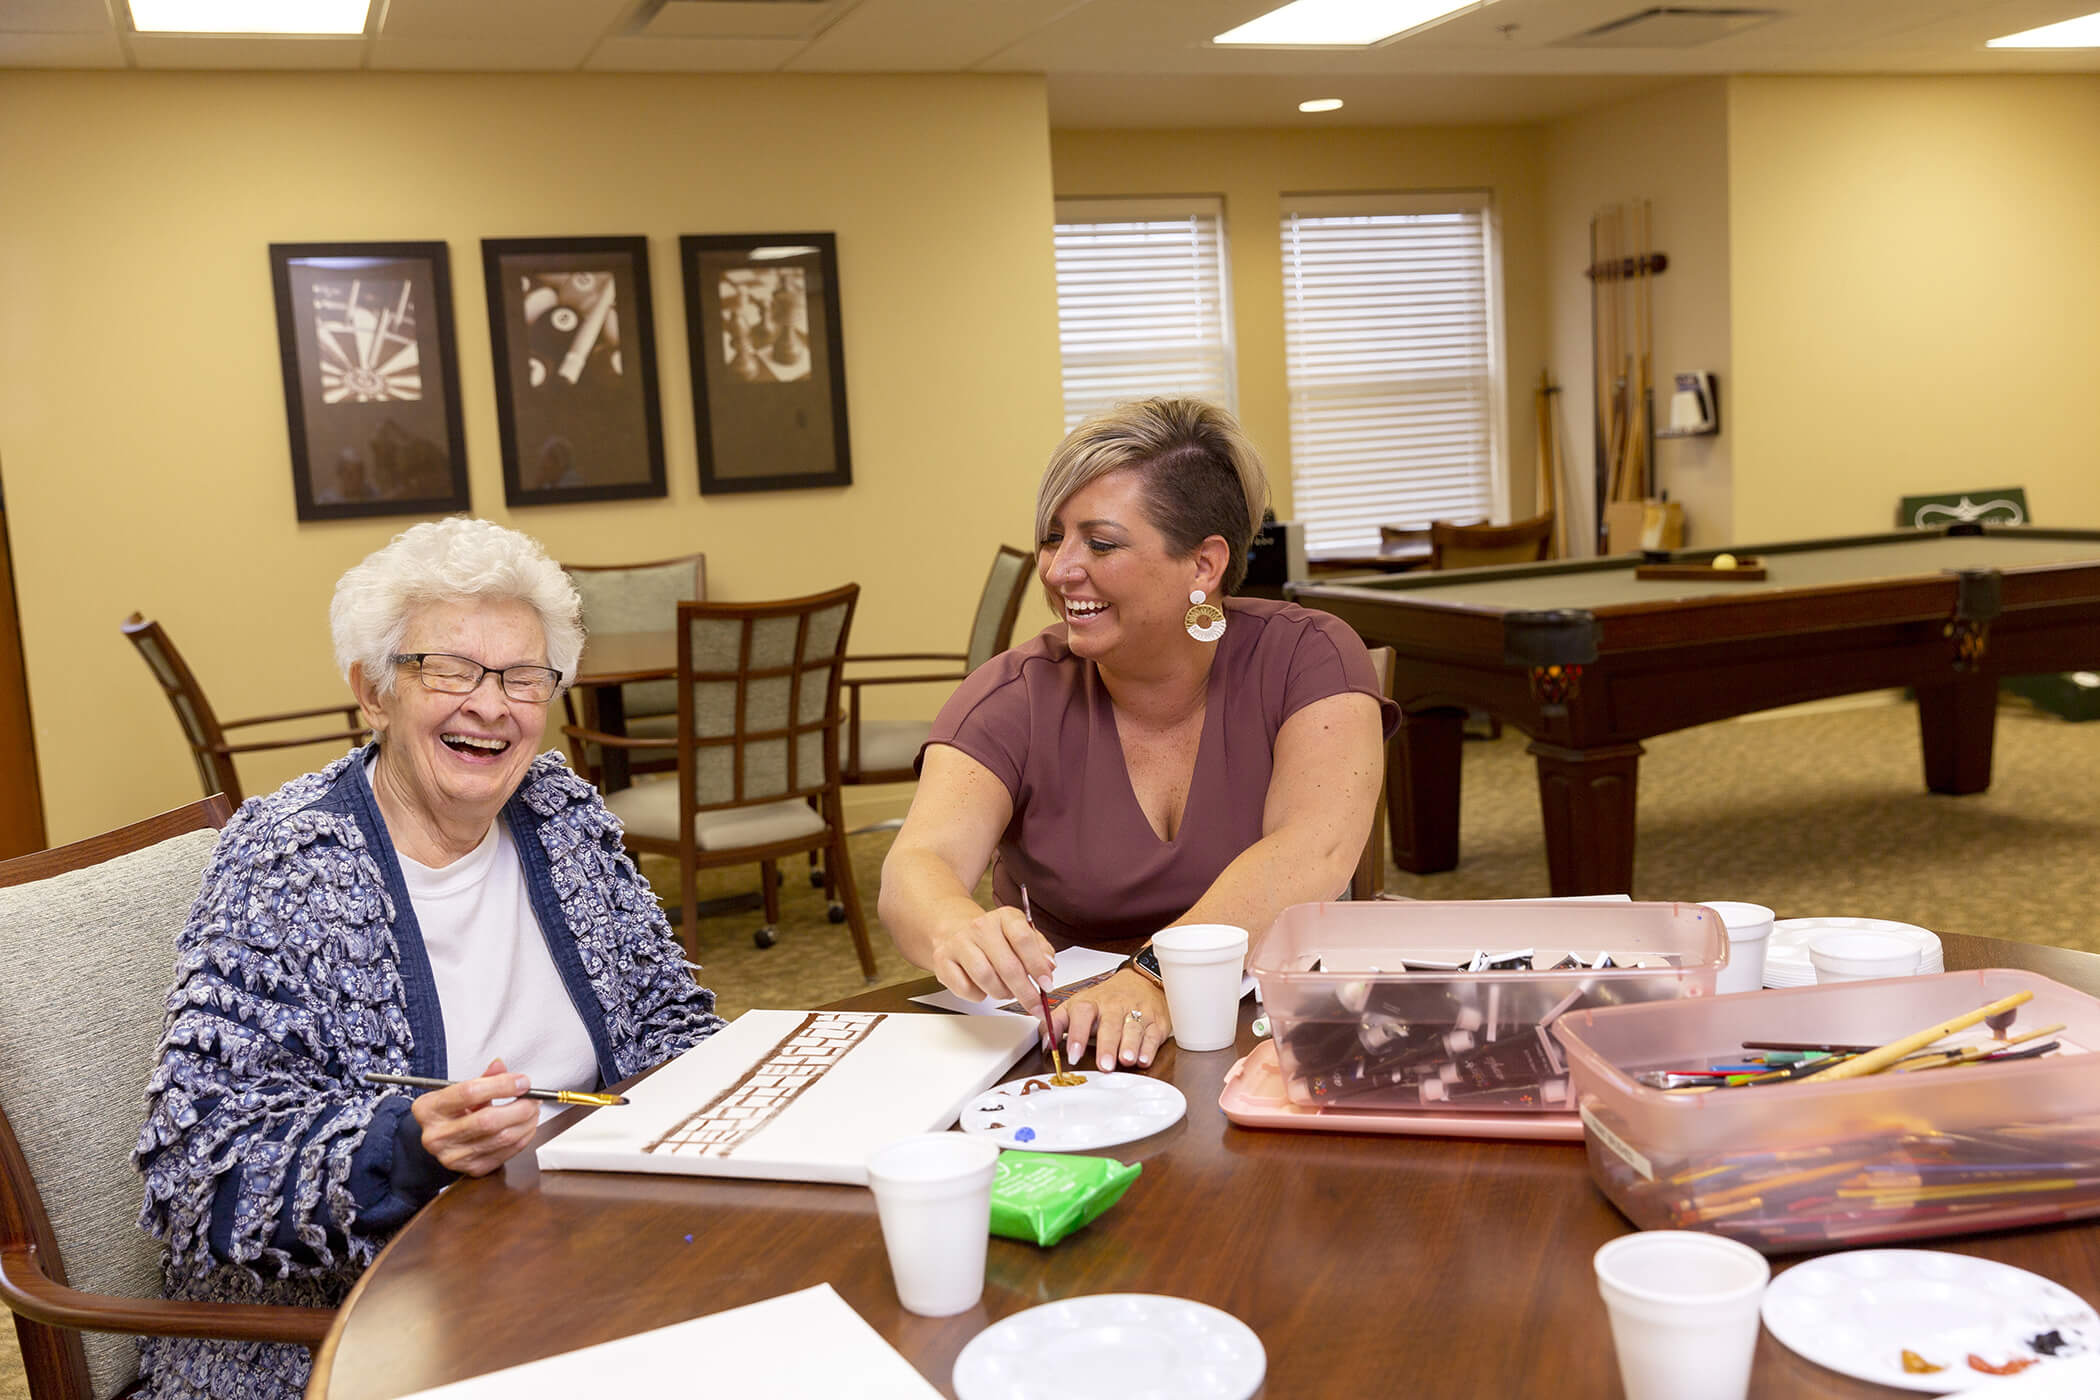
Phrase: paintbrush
(1970, 1054)
(586, 1097)
(1875, 1061)
(1062, 1077)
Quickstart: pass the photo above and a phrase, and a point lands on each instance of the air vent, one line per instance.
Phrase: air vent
(1668, 27)
(732, 19)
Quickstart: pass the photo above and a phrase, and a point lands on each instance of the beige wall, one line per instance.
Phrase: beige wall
(142, 427)
(1670, 149)
(1252, 169)
(1916, 294)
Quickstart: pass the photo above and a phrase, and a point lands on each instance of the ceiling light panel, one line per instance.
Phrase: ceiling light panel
(1342, 23)
(2080, 33)
(249, 16)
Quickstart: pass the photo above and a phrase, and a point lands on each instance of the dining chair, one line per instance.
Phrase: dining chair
(881, 751)
(757, 749)
(633, 598)
(1467, 546)
(1369, 880)
(87, 938)
(202, 727)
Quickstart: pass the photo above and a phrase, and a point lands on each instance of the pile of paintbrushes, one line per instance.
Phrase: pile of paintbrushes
(1781, 1062)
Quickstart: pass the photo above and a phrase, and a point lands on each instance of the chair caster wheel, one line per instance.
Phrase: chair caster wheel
(836, 913)
(816, 879)
(765, 937)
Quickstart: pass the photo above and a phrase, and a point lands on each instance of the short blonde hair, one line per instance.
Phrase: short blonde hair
(449, 561)
(1201, 476)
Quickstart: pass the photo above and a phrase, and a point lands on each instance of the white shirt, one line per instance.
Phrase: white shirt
(498, 991)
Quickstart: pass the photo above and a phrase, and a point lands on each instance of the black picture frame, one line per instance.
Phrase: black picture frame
(371, 378)
(768, 361)
(573, 330)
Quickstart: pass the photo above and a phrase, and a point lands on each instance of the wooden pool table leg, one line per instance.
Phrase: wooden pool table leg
(1586, 797)
(1957, 727)
(1421, 790)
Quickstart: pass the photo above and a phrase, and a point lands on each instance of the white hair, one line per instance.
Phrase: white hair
(449, 561)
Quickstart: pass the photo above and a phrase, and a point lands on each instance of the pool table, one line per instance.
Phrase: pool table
(1589, 659)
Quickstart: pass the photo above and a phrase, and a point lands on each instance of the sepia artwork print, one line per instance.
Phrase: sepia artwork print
(371, 382)
(575, 358)
(768, 361)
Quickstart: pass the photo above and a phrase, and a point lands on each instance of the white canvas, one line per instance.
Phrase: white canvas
(800, 1346)
(797, 1095)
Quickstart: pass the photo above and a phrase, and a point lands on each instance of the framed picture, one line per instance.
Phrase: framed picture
(371, 378)
(575, 345)
(769, 362)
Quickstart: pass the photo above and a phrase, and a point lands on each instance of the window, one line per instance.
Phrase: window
(1391, 310)
(1141, 302)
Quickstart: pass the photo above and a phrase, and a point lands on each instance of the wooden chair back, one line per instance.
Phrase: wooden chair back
(1468, 546)
(1369, 878)
(992, 629)
(632, 598)
(758, 699)
(86, 952)
(200, 727)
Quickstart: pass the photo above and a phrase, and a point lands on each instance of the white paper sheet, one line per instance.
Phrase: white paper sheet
(799, 1346)
(796, 1095)
(1072, 966)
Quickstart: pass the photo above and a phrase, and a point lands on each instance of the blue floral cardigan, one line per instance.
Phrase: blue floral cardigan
(273, 1173)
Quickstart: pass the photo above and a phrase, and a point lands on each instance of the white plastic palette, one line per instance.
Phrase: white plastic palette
(1857, 1313)
(1134, 1346)
(1106, 1110)
(1786, 951)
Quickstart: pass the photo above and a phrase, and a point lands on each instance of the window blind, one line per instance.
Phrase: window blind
(1392, 363)
(1142, 306)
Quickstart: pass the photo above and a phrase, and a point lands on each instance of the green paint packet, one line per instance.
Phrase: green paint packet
(1044, 1196)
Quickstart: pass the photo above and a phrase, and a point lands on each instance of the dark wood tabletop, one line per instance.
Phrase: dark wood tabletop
(1367, 1265)
(615, 658)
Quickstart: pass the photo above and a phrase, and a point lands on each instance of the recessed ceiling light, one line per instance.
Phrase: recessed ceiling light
(1321, 104)
(249, 16)
(1342, 23)
(2080, 33)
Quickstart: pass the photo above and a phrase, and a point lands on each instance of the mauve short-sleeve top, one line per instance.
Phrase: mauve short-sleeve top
(1040, 719)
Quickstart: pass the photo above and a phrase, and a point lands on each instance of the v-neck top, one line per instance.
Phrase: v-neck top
(1041, 720)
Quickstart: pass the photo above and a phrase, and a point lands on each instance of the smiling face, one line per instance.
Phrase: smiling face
(454, 760)
(1107, 572)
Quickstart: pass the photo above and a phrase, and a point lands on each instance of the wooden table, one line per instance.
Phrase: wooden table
(1589, 659)
(1367, 1265)
(611, 660)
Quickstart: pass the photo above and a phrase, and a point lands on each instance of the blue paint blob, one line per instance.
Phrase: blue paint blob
(688, 1239)
(1024, 1135)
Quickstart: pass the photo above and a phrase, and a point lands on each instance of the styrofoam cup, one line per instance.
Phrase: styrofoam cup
(1749, 926)
(1202, 967)
(1683, 1310)
(933, 1194)
(1851, 955)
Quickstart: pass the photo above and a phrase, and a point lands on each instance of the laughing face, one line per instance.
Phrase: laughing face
(1107, 572)
(456, 759)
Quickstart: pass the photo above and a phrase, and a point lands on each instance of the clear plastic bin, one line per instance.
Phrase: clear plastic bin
(1810, 1165)
(1356, 1028)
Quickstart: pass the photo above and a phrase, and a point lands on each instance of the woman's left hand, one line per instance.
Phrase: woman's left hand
(1125, 1017)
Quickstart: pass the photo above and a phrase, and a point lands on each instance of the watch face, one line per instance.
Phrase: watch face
(1148, 961)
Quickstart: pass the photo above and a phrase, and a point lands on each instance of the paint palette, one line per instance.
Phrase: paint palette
(1859, 1313)
(1101, 1111)
(1137, 1346)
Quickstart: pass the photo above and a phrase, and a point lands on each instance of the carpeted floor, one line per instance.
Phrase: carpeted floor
(1810, 813)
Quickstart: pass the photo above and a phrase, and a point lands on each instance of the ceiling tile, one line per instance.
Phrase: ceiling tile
(498, 53)
(725, 19)
(238, 51)
(55, 17)
(925, 36)
(635, 55)
(1102, 100)
(582, 20)
(61, 51)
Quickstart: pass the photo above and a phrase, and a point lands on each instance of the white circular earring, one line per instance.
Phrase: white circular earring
(1205, 621)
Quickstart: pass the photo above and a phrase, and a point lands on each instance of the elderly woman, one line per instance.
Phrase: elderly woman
(1166, 754)
(446, 902)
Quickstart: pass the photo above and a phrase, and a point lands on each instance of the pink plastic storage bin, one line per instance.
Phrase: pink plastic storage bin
(1362, 1033)
(1854, 1161)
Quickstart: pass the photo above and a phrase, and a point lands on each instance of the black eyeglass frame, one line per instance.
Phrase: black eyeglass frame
(502, 675)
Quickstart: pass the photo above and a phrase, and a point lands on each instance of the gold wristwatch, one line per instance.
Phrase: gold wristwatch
(1147, 964)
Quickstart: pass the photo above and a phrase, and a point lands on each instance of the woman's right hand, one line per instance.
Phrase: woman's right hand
(997, 955)
(467, 1130)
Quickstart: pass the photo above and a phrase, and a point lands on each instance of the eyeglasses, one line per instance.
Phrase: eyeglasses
(460, 675)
